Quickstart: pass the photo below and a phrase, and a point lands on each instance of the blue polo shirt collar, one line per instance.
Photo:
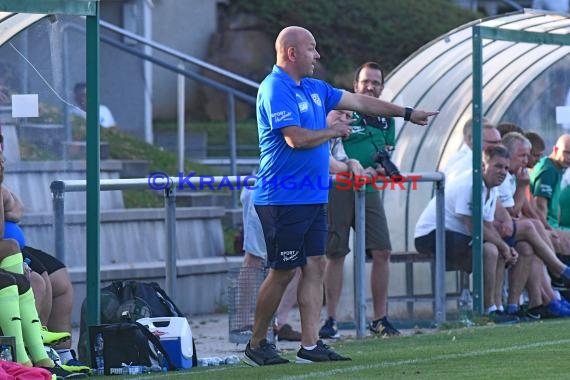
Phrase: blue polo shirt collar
(286, 77)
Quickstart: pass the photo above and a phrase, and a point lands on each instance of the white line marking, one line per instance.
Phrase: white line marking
(426, 360)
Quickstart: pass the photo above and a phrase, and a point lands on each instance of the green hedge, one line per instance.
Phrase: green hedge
(349, 33)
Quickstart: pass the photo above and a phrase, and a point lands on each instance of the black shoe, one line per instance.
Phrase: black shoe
(527, 315)
(63, 374)
(534, 313)
(265, 354)
(541, 311)
(383, 327)
(329, 330)
(321, 353)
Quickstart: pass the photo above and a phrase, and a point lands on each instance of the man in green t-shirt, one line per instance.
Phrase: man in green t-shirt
(545, 180)
(368, 136)
(564, 201)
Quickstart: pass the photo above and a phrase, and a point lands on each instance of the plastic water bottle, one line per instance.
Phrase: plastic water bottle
(231, 360)
(136, 369)
(271, 338)
(465, 308)
(98, 348)
(216, 360)
(27, 269)
(6, 353)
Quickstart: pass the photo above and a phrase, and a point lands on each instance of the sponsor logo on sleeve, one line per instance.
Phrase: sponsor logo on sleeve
(281, 116)
(546, 190)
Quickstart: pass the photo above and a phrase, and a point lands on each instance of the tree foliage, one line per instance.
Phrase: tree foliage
(351, 32)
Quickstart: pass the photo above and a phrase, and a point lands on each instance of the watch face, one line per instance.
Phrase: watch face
(376, 122)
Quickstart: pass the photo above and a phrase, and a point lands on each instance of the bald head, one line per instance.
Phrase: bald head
(296, 51)
(561, 152)
(563, 141)
(289, 36)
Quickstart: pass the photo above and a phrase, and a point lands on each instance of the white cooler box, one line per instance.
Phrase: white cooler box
(175, 336)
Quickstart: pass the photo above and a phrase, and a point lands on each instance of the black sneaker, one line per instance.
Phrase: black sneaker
(542, 311)
(265, 354)
(321, 353)
(329, 330)
(534, 313)
(60, 373)
(527, 315)
(383, 327)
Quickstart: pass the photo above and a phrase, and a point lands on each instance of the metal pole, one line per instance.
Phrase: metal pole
(233, 143)
(147, 73)
(93, 170)
(93, 260)
(180, 109)
(171, 248)
(440, 253)
(58, 203)
(67, 108)
(477, 219)
(359, 262)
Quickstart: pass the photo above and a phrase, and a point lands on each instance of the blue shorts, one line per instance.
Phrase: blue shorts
(293, 233)
(511, 240)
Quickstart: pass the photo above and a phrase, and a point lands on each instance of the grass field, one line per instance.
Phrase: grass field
(524, 351)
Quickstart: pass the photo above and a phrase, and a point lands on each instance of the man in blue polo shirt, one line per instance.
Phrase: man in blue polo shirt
(292, 188)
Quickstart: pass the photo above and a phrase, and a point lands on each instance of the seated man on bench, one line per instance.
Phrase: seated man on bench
(458, 213)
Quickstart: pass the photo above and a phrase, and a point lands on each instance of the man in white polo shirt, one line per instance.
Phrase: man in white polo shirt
(458, 222)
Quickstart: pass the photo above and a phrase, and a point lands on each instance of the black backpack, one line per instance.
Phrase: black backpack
(139, 299)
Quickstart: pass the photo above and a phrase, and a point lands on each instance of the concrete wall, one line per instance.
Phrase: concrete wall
(133, 246)
(132, 236)
(31, 180)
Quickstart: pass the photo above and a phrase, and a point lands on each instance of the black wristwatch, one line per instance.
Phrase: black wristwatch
(408, 113)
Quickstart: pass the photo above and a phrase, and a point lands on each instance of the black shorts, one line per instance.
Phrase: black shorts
(458, 253)
(41, 261)
(292, 233)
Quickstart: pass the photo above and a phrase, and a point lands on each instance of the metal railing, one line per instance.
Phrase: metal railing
(360, 250)
(230, 90)
(172, 185)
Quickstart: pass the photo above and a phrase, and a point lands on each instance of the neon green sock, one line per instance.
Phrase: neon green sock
(10, 322)
(13, 263)
(32, 327)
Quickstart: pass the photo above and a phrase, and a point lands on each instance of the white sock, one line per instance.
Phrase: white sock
(491, 309)
(310, 348)
(65, 355)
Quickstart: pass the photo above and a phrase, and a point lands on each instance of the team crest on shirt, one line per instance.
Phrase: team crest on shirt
(317, 99)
